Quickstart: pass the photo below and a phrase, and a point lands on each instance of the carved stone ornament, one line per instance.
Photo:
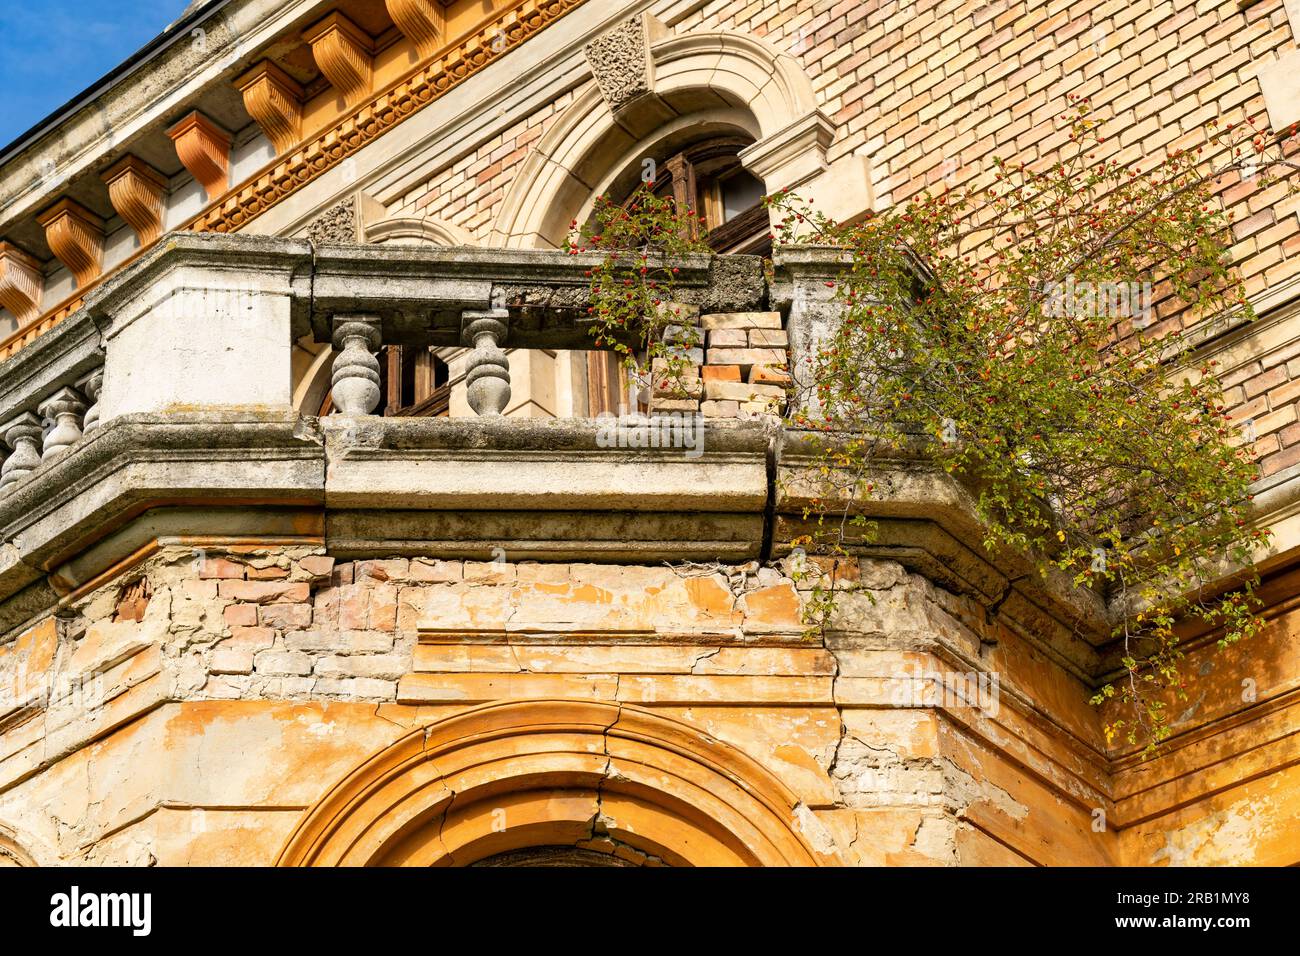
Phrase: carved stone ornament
(620, 60)
(336, 224)
(76, 237)
(274, 99)
(23, 436)
(203, 148)
(63, 411)
(22, 281)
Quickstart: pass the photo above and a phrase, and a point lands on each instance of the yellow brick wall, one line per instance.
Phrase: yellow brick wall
(934, 90)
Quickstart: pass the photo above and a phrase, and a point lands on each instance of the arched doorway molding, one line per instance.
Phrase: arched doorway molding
(729, 82)
(509, 776)
(13, 852)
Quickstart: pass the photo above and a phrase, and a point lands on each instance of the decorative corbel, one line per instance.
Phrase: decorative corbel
(137, 192)
(22, 282)
(274, 99)
(421, 21)
(76, 237)
(204, 149)
(345, 54)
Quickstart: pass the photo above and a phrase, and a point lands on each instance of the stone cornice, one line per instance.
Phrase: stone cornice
(73, 144)
(461, 59)
(464, 57)
(420, 295)
(135, 462)
(926, 521)
(544, 489)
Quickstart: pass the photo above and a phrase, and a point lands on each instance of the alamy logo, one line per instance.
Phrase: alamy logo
(672, 430)
(1115, 300)
(74, 909)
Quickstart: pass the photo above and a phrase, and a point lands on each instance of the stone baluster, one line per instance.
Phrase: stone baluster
(355, 376)
(63, 409)
(487, 378)
(22, 435)
(91, 386)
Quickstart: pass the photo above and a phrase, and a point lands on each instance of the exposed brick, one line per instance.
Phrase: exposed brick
(285, 615)
(317, 566)
(395, 569)
(240, 614)
(741, 320)
(424, 569)
(492, 572)
(292, 663)
(725, 409)
(231, 660)
(720, 373)
(747, 357)
(1263, 382)
(768, 338)
(212, 567)
(766, 375)
(728, 338)
(267, 574)
(264, 592)
(381, 666)
(742, 391)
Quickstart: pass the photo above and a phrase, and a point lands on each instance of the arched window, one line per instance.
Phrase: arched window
(707, 178)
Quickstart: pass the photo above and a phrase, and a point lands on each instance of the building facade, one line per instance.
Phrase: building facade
(319, 545)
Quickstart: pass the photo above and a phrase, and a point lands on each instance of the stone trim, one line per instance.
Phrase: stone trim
(740, 813)
(412, 230)
(588, 143)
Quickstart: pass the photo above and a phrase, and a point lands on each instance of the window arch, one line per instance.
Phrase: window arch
(707, 178)
(705, 85)
(11, 853)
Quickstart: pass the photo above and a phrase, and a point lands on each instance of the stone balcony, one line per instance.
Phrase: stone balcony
(162, 412)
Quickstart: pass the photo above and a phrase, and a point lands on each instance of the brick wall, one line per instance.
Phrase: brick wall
(933, 90)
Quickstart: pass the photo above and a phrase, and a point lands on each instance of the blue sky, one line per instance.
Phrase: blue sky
(51, 50)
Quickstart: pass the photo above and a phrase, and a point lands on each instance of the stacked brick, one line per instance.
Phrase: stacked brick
(736, 369)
